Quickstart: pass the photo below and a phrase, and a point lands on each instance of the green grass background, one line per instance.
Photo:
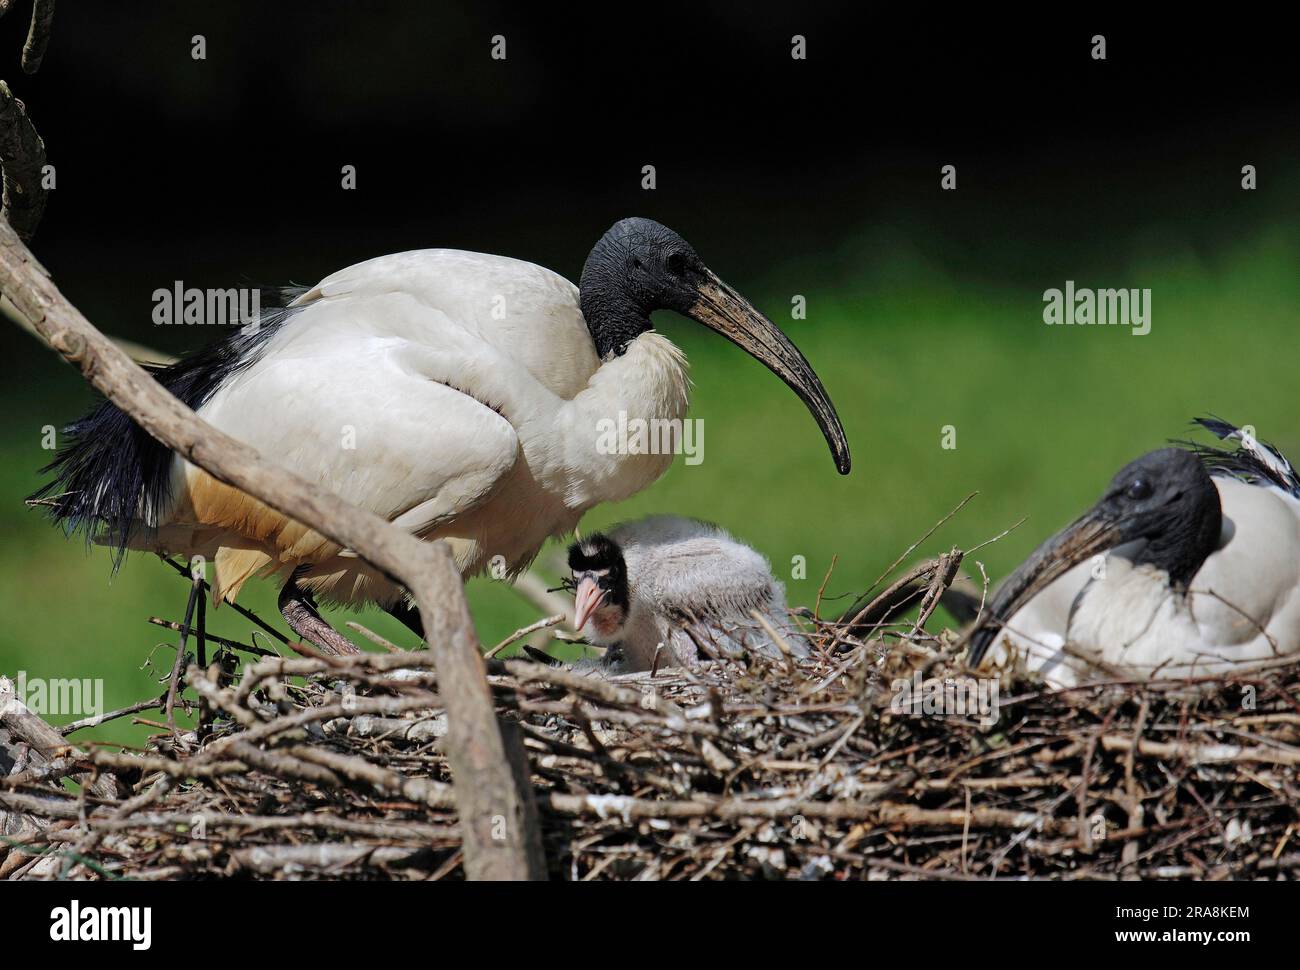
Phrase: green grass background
(908, 333)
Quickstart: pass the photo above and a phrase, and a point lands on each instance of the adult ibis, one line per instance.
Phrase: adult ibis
(668, 591)
(459, 395)
(1188, 565)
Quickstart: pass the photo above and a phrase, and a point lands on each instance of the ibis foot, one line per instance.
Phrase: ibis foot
(299, 611)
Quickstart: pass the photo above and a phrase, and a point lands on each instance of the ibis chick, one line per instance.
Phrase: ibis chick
(670, 591)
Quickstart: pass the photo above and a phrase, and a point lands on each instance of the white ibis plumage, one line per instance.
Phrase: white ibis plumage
(1200, 575)
(668, 591)
(455, 394)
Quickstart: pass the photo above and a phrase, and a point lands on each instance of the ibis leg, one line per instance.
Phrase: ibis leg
(201, 632)
(299, 611)
(201, 627)
(173, 685)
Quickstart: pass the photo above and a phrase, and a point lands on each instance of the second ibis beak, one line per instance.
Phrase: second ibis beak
(721, 308)
(1090, 534)
(588, 599)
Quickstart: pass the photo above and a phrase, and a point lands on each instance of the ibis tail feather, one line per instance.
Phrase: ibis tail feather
(111, 478)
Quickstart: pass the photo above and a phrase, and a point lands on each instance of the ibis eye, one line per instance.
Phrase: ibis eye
(1138, 489)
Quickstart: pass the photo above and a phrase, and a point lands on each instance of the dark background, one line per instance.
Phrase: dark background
(230, 166)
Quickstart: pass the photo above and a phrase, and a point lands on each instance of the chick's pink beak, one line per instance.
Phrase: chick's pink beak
(588, 599)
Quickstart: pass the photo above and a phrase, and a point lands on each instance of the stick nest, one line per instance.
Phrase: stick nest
(328, 768)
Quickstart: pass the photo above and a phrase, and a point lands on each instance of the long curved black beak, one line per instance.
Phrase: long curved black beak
(1092, 533)
(721, 308)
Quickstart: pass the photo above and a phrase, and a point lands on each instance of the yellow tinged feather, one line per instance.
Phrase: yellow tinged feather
(231, 569)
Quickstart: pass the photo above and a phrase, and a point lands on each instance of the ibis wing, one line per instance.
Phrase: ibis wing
(441, 298)
(691, 567)
(1249, 584)
(705, 576)
(361, 419)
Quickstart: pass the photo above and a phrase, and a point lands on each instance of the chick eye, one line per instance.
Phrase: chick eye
(1138, 489)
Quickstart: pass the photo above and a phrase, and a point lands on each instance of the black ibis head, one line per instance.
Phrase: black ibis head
(1164, 502)
(640, 266)
(599, 581)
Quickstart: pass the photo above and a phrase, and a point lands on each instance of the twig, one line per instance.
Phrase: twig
(148, 704)
(821, 590)
(375, 638)
(912, 548)
(519, 634)
(231, 644)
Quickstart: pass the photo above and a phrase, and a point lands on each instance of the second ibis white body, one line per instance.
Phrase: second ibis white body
(1119, 613)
